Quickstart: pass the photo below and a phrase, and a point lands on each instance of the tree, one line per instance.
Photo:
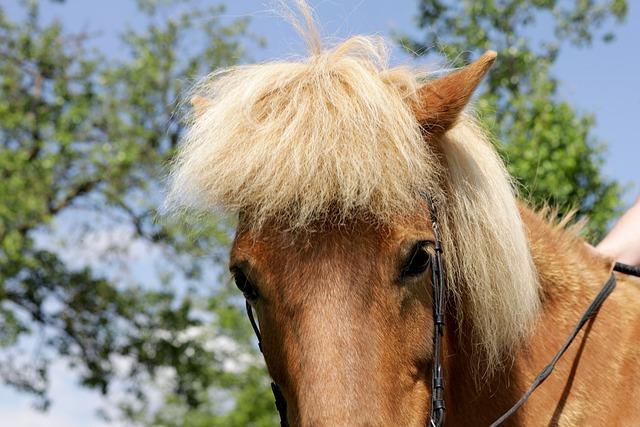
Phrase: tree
(549, 147)
(83, 140)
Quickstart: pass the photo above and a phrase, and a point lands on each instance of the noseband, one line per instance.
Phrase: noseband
(437, 411)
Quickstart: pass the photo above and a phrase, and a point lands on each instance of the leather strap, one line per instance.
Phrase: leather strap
(437, 411)
(281, 403)
(632, 270)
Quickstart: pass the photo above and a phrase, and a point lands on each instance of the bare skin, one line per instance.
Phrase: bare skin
(623, 241)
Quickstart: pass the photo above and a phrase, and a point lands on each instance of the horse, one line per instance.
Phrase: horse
(336, 167)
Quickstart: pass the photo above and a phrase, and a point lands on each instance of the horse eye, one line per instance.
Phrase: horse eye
(245, 285)
(418, 261)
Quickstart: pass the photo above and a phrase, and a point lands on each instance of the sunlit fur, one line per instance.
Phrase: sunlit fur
(333, 137)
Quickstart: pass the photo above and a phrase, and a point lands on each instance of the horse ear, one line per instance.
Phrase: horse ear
(441, 101)
(200, 105)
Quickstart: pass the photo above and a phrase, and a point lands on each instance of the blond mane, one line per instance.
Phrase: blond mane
(334, 136)
(488, 256)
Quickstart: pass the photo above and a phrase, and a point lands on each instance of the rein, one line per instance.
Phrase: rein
(437, 410)
(593, 308)
(591, 311)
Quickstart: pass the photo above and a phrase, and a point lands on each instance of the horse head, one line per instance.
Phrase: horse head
(327, 162)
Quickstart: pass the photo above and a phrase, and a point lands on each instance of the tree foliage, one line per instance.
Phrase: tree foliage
(549, 147)
(83, 140)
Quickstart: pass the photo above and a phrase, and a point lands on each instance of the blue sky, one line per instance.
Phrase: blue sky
(603, 80)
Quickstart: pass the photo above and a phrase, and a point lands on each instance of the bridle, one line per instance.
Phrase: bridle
(281, 403)
(437, 410)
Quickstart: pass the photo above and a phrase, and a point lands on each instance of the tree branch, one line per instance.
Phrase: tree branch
(84, 188)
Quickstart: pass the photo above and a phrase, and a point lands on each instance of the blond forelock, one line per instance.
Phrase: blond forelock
(302, 141)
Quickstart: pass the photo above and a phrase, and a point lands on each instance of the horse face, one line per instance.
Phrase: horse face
(345, 310)
(345, 317)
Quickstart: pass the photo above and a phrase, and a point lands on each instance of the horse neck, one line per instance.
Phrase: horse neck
(568, 268)
(570, 274)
